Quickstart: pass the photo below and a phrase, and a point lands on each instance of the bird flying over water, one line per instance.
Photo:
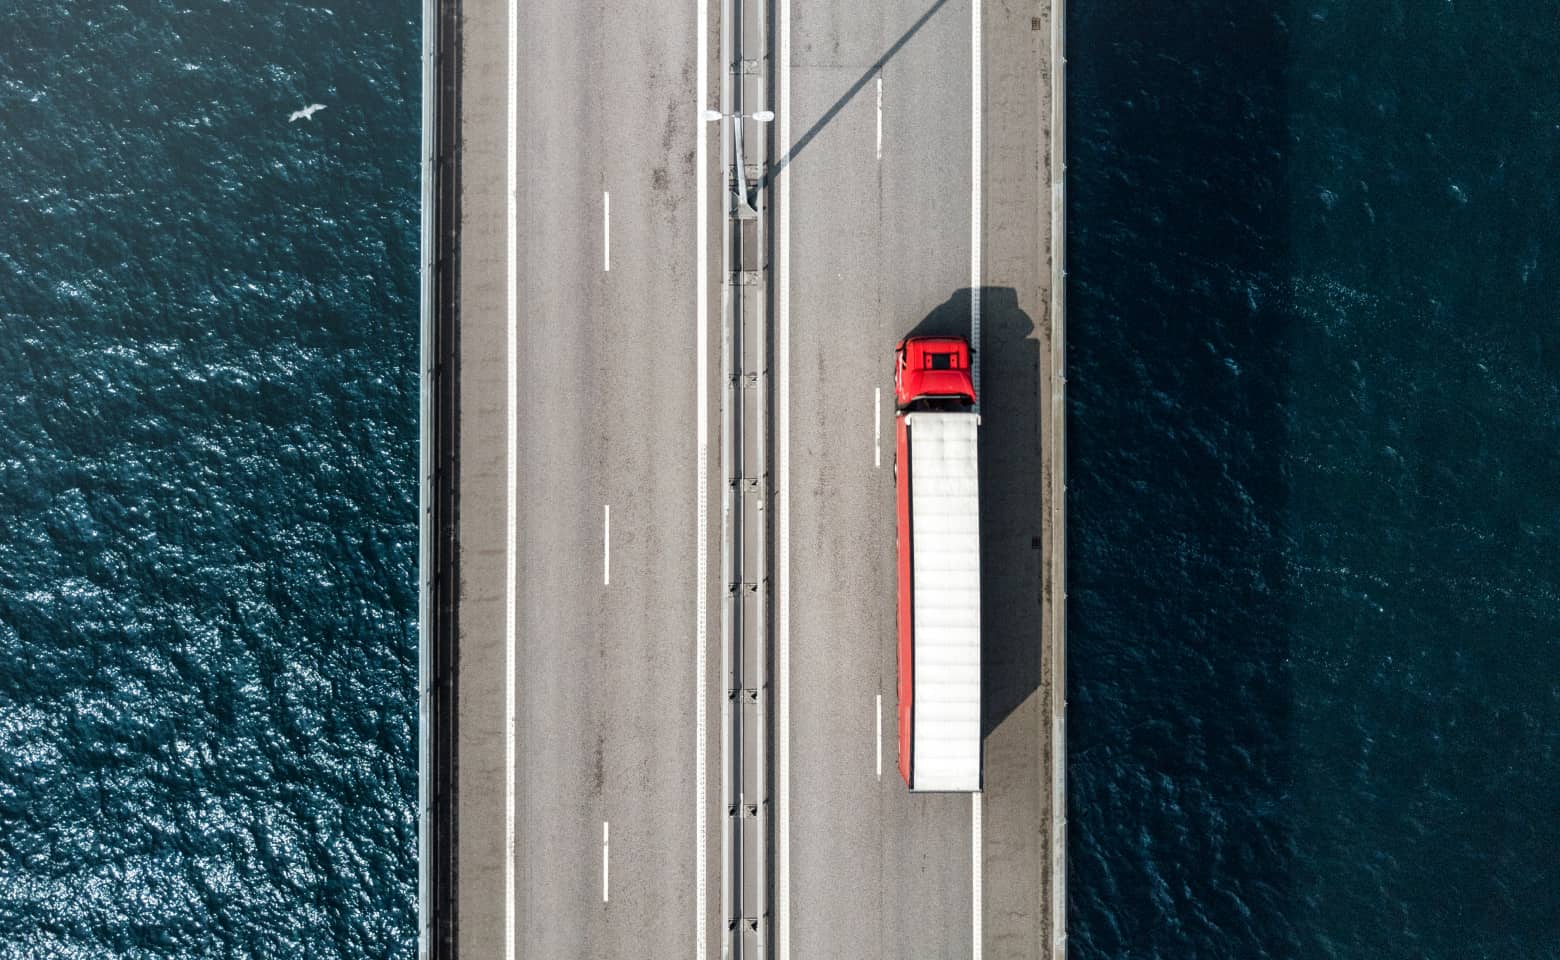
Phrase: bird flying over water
(305, 113)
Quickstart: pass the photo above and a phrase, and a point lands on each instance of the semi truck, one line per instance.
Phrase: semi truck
(937, 485)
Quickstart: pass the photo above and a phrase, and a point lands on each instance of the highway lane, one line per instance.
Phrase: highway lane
(877, 245)
(883, 240)
(588, 409)
(605, 670)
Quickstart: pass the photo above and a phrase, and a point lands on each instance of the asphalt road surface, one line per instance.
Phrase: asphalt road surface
(883, 241)
(580, 404)
(605, 671)
(876, 244)
(604, 471)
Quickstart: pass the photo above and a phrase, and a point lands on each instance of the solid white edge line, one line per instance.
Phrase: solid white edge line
(976, 868)
(975, 873)
(878, 740)
(783, 491)
(877, 426)
(975, 201)
(606, 544)
(512, 440)
(702, 364)
(606, 872)
(880, 116)
(606, 231)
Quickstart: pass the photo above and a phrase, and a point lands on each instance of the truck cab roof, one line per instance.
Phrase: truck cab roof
(932, 368)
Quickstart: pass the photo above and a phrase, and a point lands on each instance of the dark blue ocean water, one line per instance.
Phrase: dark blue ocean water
(1314, 479)
(208, 332)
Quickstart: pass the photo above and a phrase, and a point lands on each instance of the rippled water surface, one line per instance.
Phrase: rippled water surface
(1314, 480)
(207, 480)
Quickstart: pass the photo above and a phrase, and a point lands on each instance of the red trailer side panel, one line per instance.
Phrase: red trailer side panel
(906, 606)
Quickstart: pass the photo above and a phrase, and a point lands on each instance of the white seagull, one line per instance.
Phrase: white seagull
(306, 113)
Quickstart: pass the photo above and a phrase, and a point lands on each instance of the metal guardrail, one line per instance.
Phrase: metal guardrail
(1058, 440)
(438, 446)
(424, 472)
(745, 780)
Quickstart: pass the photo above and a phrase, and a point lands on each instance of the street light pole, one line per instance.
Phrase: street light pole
(744, 204)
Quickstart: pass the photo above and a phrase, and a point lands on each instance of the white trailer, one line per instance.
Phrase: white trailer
(938, 483)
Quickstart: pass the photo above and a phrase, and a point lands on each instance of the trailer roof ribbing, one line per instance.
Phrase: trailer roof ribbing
(945, 511)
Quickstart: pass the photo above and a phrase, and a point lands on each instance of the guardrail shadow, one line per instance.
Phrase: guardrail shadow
(1010, 493)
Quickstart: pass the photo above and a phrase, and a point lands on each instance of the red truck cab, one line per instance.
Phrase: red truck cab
(933, 369)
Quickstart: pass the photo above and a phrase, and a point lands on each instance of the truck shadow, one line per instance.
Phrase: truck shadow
(1010, 491)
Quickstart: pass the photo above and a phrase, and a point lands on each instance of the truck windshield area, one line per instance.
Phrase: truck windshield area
(932, 371)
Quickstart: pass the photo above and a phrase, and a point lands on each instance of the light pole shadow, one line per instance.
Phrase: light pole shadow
(788, 156)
